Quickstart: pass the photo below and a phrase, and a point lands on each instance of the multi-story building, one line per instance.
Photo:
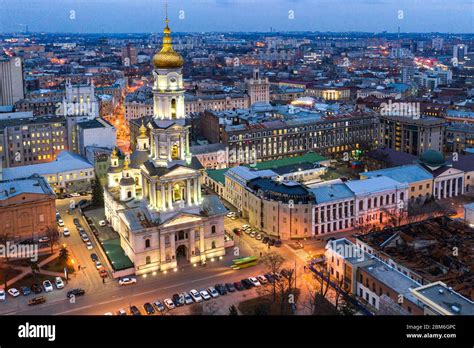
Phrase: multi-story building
(27, 208)
(68, 173)
(212, 156)
(30, 140)
(97, 132)
(411, 134)
(329, 93)
(129, 55)
(252, 135)
(11, 80)
(258, 88)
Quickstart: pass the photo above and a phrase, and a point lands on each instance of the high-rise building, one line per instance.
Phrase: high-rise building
(459, 52)
(258, 88)
(11, 80)
(129, 55)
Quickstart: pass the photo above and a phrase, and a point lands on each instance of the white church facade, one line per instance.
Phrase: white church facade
(154, 199)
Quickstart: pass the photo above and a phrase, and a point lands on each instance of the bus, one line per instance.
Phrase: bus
(244, 262)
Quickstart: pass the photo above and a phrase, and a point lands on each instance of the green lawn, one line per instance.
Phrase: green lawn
(13, 274)
(57, 265)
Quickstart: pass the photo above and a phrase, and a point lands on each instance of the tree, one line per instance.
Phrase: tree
(233, 310)
(7, 271)
(97, 193)
(63, 254)
(34, 267)
(5, 237)
(53, 235)
(273, 263)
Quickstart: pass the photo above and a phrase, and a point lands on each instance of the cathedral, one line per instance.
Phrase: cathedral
(154, 200)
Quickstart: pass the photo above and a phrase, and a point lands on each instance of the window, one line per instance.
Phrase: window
(213, 229)
(148, 259)
(147, 243)
(213, 246)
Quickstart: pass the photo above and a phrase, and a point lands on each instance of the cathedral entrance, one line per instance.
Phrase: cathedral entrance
(181, 254)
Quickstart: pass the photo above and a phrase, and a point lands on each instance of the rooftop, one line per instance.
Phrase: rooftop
(403, 174)
(30, 184)
(331, 192)
(310, 157)
(373, 185)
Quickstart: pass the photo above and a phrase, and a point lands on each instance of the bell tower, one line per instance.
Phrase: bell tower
(168, 89)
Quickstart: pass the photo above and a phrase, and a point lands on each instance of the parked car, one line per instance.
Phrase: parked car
(94, 257)
(89, 245)
(277, 276)
(286, 273)
(98, 264)
(36, 288)
(76, 221)
(135, 311)
(122, 312)
(159, 306)
(84, 237)
(230, 287)
(265, 240)
(261, 278)
(102, 223)
(75, 292)
(59, 282)
(169, 304)
(269, 277)
(252, 234)
(149, 308)
(178, 300)
(195, 295)
(221, 289)
(43, 240)
(127, 281)
(213, 292)
(83, 202)
(47, 286)
(75, 194)
(187, 298)
(103, 273)
(2, 295)
(60, 223)
(246, 283)
(258, 236)
(271, 242)
(245, 227)
(278, 243)
(36, 301)
(13, 292)
(25, 290)
(254, 281)
(239, 286)
(230, 214)
(205, 295)
(66, 232)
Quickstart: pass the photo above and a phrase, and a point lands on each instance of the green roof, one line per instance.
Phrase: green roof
(116, 255)
(310, 157)
(217, 175)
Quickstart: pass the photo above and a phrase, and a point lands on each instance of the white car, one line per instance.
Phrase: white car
(187, 298)
(245, 227)
(47, 286)
(252, 234)
(102, 223)
(13, 292)
(254, 281)
(127, 281)
(213, 292)
(66, 232)
(60, 223)
(98, 265)
(85, 238)
(169, 303)
(59, 282)
(89, 245)
(205, 295)
(262, 279)
(43, 240)
(2, 295)
(109, 313)
(75, 194)
(230, 214)
(195, 295)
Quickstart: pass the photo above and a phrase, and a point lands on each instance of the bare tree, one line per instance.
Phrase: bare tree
(5, 237)
(338, 289)
(273, 263)
(323, 278)
(7, 271)
(53, 235)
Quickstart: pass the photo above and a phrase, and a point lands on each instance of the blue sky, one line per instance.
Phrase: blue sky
(119, 16)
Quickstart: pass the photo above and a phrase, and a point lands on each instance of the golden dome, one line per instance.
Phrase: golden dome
(167, 57)
(142, 131)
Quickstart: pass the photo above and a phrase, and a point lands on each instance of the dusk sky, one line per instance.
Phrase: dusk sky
(120, 16)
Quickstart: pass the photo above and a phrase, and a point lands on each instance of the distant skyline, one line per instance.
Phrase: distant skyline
(141, 16)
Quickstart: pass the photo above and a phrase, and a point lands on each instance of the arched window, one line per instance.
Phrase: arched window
(173, 108)
(147, 243)
(213, 229)
(213, 246)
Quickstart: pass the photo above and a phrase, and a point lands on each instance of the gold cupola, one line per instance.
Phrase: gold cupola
(167, 57)
(142, 131)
